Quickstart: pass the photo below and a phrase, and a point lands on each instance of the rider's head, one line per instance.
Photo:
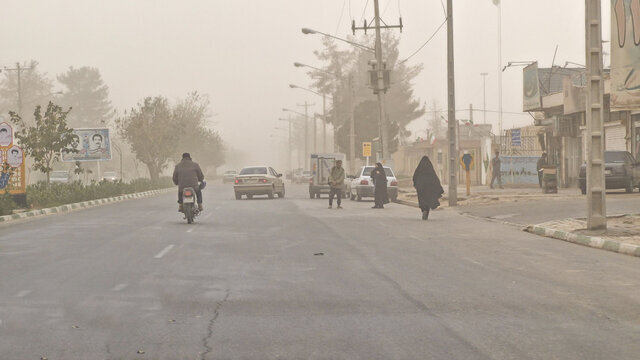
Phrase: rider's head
(186, 156)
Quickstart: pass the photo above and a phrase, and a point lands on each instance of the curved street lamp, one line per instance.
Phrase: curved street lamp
(308, 31)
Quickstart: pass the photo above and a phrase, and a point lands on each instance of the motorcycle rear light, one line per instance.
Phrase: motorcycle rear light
(394, 183)
(188, 193)
(311, 181)
(364, 182)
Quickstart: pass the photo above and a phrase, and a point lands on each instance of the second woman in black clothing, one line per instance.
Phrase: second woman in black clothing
(379, 178)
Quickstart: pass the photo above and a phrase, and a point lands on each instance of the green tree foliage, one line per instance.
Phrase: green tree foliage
(88, 95)
(195, 133)
(45, 138)
(151, 131)
(346, 76)
(35, 88)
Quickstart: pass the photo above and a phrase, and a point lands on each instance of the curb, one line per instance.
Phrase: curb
(586, 240)
(406, 202)
(81, 205)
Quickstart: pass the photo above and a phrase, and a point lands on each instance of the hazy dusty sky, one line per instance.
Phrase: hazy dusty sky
(241, 52)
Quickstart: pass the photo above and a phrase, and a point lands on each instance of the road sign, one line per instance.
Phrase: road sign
(516, 140)
(467, 161)
(366, 149)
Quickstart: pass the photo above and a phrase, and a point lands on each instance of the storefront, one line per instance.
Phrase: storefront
(635, 138)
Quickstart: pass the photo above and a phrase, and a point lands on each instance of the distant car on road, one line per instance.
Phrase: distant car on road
(621, 171)
(258, 180)
(362, 186)
(59, 177)
(229, 176)
(110, 176)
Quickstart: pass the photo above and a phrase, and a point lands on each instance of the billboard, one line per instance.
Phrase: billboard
(575, 97)
(532, 100)
(12, 167)
(625, 55)
(90, 145)
(519, 169)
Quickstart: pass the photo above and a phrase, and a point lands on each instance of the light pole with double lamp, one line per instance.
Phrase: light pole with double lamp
(306, 135)
(324, 118)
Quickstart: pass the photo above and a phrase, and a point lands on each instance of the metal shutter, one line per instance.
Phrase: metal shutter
(615, 137)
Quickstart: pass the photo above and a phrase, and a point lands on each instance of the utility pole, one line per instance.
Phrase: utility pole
(19, 69)
(324, 123)
(380, 68)
(499, 6)
(352, 124)
(596, 193)
(315, 133)
(484, 97)
(290, 143)
(471, 113)
(453, 148)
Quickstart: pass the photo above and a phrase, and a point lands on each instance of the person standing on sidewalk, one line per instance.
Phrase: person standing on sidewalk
(542, 162)
(427, 186)
(336, 183)
(379, 177)
(495, 172)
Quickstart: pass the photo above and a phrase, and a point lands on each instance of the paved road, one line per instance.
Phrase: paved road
(290, 279)
(530, 212)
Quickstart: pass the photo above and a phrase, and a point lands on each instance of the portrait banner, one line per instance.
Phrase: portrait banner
(625, 55)
(89, 145)
(532, 100)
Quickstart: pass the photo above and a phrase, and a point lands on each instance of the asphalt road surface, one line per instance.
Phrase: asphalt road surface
(290, 279)
(531, 212)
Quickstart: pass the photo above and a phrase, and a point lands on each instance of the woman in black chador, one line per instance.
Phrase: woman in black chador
(428, 187)
(380, 181)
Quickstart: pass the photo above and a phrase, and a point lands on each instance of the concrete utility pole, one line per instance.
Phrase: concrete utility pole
(484, 97)
(315, 133)
(19, 69)
(306, 134)
(596, 193)
(324, 123)
(453, 148)
(352, 124)
(380, 86)
(290, 143)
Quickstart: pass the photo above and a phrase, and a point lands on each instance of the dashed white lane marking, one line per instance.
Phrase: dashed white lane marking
(475, 262)
(119, 287)
(505, 216)
(190, 230)
(164, 252)
(23, 293)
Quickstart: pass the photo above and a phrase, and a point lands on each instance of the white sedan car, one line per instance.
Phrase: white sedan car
(362, 186)
(258, 180)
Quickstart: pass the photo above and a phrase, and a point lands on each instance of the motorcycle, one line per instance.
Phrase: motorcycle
(189, 207)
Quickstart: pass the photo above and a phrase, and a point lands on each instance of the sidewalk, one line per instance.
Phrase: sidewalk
(622, 234)
(485, 195)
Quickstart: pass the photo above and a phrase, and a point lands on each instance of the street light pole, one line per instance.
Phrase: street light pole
(484, 97)
(290, 143)
(453, 149)
(381, 87)
(499, 6)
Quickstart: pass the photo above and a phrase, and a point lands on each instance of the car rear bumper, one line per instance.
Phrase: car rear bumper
(253, 189)
(368, 191)
(611, 181)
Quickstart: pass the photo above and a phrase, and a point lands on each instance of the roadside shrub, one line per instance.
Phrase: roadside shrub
(6, 204)
(43, 195)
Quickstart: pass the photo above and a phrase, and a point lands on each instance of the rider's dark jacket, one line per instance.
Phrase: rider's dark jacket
(187, 174)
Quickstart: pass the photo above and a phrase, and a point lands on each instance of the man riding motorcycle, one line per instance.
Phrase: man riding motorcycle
(188, 174)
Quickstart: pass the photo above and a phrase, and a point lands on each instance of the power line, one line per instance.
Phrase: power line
(364, 10)
(425, 43)
(344, 2)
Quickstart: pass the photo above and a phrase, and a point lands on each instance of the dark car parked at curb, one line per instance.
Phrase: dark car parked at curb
(621, 171)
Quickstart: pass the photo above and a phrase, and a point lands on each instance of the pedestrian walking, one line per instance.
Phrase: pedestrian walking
(427, 186)
(379, 178)
(542, 162)
(495, 173)
(336, 183)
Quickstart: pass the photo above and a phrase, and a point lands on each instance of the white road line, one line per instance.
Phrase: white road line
(23, 293)
(475, 262)
(190, 230)
(164, 252)
(119, 287)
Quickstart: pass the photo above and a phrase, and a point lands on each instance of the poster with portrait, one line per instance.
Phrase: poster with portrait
(89, 145)
(6, 135)
(15, 156)
(625, 55)
(532, 100)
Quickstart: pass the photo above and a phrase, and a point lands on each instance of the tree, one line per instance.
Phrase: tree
(351, 85)
(46, 138)
(35, 88)
(193, 117)
(88, 95)
(151, 131)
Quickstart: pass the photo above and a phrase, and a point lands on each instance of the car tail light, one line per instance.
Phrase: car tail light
(394, 183)
(364, 182)
(264, 181)
(237, 181)
(188, 193)
(311, 181)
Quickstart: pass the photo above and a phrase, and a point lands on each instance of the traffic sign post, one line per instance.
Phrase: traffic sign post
(467, 161)
(366, 150)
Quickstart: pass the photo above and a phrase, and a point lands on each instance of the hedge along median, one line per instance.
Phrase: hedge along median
(44, 195)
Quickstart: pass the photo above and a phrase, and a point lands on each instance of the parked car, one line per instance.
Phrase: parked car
(361, 185)
(59, 177)
(621, 171)
(297, 176)
(258, 180)
(229, 176)
(110, 176)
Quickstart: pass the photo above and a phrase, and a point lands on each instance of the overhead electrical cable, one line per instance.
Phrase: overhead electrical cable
(425, 43)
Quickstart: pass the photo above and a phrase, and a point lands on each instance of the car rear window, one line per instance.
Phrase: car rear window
(254, 171)
(367, 171)
(614, 157)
